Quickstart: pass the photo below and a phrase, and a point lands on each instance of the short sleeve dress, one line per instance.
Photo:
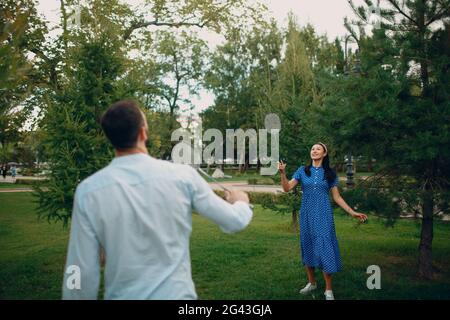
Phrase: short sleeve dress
(318, 242)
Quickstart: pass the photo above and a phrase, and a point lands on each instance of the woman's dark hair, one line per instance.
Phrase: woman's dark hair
(329, 173)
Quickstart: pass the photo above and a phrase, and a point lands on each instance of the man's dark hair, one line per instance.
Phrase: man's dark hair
(121, 123)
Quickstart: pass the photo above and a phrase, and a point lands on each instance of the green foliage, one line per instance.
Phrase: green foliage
(180, 60)
(260, 181)
(298, 92)
(378, 112)
(28, 172)
(283, 203)
(374, 201)
(92, 65)
(21, 33)
(395, 108)
(74, 143)
(6, 152)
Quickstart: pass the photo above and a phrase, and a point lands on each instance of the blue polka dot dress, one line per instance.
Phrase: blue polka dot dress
(318, 242)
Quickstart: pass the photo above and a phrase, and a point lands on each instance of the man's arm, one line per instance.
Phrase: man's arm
(83, 257)
(229, 217)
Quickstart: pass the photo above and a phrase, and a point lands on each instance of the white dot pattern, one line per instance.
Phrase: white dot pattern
(318, 242)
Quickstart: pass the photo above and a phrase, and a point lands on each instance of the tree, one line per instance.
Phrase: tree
(295, 93)
(397, 109)
(241, 75)
(21, 31)
(99, 61)
(74, 142)
(180, 61)
(215, 15)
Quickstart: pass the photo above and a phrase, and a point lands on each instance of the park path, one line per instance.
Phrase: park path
(234, 185)
(15, 190)
(243, 186)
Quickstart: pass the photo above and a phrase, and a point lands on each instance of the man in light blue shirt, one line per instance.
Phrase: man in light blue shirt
(139, 209)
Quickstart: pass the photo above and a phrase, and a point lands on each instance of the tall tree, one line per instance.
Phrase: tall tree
(75, 145)
(241, 75)
(397, 109)
(21, 32)
(98, 60)
(180, 61)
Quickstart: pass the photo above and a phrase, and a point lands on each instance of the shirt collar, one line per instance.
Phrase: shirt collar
(130, 158)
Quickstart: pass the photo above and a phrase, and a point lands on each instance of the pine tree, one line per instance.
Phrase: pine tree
(397, 109)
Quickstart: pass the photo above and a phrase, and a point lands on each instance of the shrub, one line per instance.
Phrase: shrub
(29, 181)
(28, 172)
(260, 181)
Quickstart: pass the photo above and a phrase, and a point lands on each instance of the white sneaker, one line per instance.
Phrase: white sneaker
(308, 288)
(329, 295)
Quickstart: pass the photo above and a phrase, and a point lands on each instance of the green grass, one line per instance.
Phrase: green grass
(7, 185)
(261, 262)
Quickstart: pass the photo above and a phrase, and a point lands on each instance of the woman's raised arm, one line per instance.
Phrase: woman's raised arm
(285, 183)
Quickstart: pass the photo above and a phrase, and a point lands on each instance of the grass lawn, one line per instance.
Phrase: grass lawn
(7, 185)
(261, 262)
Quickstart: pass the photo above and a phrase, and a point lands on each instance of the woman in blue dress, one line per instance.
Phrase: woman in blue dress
(318, 243)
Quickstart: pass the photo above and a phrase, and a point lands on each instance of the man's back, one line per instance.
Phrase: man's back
(139, 210)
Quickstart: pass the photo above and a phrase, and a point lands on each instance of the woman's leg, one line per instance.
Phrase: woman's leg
(310, 273)
(327, 278)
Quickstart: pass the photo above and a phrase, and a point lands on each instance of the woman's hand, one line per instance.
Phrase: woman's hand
(281, 166)
(285, 184)
(361, 216)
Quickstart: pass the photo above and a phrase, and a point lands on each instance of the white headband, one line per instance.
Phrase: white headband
(324, 146)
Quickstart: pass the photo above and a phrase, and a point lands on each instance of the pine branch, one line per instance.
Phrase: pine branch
(445, 10)
(394, 3)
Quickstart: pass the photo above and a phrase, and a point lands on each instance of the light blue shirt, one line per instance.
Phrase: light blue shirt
(139, 209)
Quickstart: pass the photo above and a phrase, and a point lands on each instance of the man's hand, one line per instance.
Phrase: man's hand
(236, 195)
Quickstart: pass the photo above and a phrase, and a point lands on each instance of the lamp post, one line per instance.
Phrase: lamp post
(349, 173)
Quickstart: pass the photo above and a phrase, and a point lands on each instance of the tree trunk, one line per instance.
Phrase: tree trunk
(426, 236)
(294, 225)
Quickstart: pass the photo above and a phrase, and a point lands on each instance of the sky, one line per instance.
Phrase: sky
(327, 17)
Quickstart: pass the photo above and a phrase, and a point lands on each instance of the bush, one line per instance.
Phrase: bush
(28, 172)
(260, 181)
(29, 181)
(378, 201)
(281, 202)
